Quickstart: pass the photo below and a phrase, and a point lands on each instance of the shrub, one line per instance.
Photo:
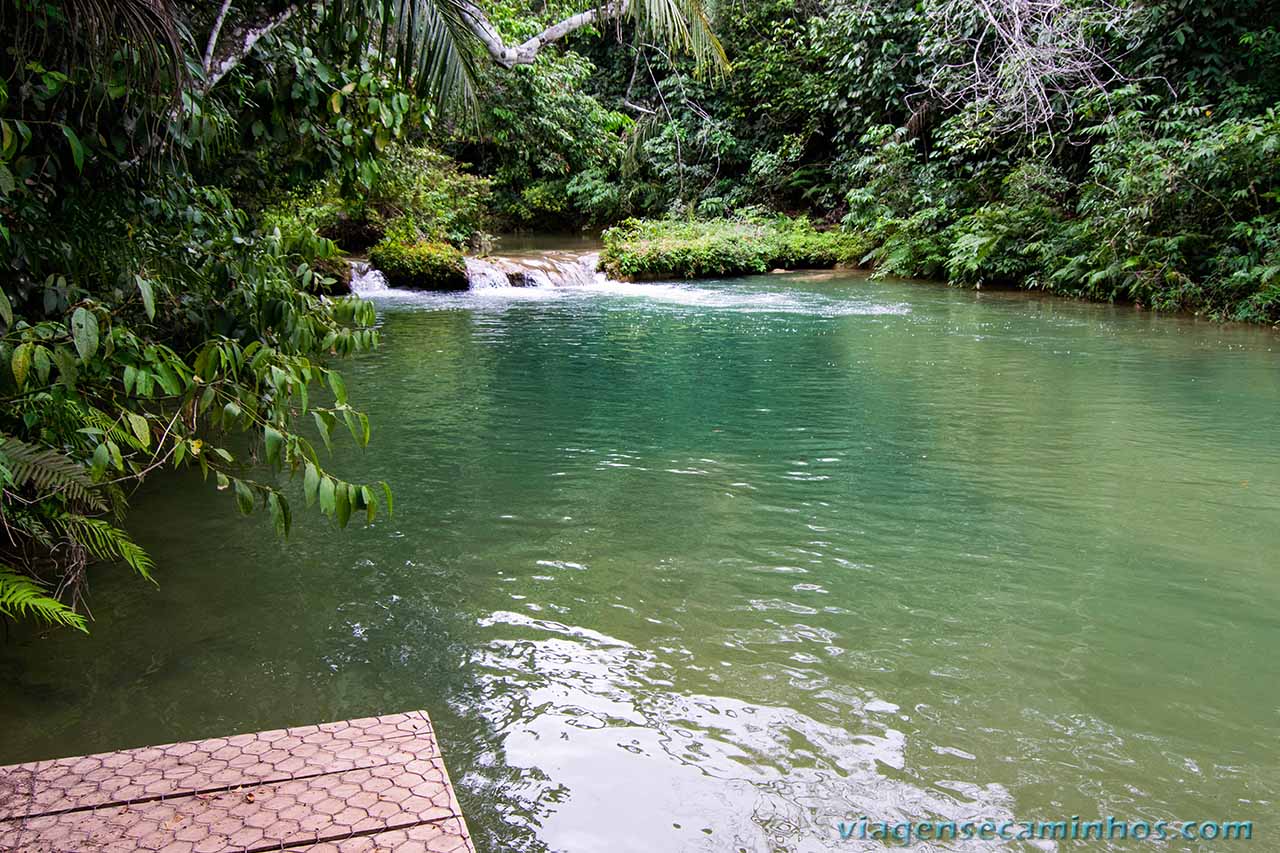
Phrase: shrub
(420, 266)
(413, 189)
(668, 248)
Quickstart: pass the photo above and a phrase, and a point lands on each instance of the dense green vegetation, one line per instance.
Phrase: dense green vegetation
(171, 176)
(1142, 165)
(178, 185)
(675, 248)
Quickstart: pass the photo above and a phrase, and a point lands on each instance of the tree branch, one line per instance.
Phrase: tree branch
(242, 38)
(224, 52)
(213, 36)
(510, 56)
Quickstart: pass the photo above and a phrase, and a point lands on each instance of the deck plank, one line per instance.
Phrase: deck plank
(378, 783)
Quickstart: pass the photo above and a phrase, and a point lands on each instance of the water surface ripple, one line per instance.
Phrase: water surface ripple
(712, 567)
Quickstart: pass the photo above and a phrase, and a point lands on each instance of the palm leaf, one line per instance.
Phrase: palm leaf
(104, 541)
(682, 25)
(22, 597)
(145, 33)
(47, 470)
(427, 44)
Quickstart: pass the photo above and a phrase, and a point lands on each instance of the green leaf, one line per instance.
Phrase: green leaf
(386, 492)
(140, 428)
(168, 380)
(77, 150)
(244, 497)
(148, 296)
(343, 502)
(370, 504)
(6, 310)
(325, 422)
(339, 387)
(84, 332)
(358, 425)
(67, 370)
(280, 514)
(275, 444)
(42, 364)
(21, 363)
(310, 484)
(101, 458)
(328, 496)
(116, 459)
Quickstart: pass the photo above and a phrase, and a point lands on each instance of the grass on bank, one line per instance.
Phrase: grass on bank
(666, 248)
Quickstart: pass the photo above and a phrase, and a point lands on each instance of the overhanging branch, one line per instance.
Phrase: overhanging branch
(510, 56)
(227, 50)
(229, 44)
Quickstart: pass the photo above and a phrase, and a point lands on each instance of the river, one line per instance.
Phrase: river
(715, 566)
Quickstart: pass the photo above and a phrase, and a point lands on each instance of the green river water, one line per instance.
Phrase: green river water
(715, 566)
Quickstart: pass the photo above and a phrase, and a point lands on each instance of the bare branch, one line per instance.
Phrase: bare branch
(1024, 57)
(213, 36)
(510, 56)
(242, 38)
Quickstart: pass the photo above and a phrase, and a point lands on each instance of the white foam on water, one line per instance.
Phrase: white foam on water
(366, 281)
(498, 281)
(482, 275)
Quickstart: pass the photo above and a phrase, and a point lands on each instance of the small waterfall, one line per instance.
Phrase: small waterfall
(484, 275)
(365, 280)
(540, 270)
(533, 269)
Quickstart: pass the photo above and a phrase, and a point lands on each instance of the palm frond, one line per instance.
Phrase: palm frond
(683, 25)
(427, 44)
(49, 471)
(22, 597)
(145, 34)
(104, 541)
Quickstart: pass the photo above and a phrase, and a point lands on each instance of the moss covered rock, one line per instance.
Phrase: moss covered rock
(667, 248)
(420, 266)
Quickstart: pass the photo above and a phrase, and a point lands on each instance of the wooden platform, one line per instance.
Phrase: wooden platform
(358, 786)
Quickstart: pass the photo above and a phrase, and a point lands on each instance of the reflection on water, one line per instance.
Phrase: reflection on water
(671, 771)
(716, 566)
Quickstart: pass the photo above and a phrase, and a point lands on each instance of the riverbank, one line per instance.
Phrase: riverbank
(652, 249)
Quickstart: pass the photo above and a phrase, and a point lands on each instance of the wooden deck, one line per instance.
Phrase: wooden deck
(377, 784)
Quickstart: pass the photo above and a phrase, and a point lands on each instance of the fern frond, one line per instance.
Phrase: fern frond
(112, 428)
(22, 597)
(105, 541)
(48, 471)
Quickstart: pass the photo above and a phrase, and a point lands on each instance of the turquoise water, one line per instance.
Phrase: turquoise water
(714, 566)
